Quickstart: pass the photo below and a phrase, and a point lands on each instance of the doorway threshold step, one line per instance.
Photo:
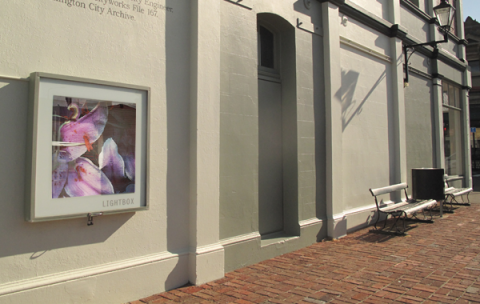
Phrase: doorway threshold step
(277, 238)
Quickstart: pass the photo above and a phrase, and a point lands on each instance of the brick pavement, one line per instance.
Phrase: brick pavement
(434, 263)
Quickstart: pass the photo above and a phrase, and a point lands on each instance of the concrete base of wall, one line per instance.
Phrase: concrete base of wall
(352, 220)
(337, 227)
(249, 249)
(112, 283)
(206, 264)
(360, 218)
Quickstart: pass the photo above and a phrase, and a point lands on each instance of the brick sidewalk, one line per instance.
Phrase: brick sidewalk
(435, 263)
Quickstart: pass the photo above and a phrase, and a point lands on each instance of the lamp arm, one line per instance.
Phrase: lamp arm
(431, 43)
(412, 46)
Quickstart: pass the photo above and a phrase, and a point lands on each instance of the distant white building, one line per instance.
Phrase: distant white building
(268, 123)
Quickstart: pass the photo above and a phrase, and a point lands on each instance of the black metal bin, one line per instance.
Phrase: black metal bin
(428, 183)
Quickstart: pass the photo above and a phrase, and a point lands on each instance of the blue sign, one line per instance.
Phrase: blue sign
(473, 130)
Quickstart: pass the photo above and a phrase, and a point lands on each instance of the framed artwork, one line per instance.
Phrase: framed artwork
(87, 147)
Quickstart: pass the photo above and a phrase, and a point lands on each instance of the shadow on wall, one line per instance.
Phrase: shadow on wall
(312, 11)
(346, 95)
(350, 106)
(178, 65)
(385, 9)
(303, 6)
(320, 131)
(370, 220)
(18, 236)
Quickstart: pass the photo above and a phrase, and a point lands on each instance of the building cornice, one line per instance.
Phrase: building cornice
(336, 2)
(366, 18)
(452, 61)
(398, 31)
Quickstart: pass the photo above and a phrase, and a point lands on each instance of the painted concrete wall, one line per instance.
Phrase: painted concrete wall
(450, 73)
(360, 34)
(81, 41)
(366, 97)
(451, 47)
(306, 130)
(421, 63)
(420, 125)
(239, 115)
(416, 26)
(205, 256)
(238, 122)
(320, 128)
(379, 8)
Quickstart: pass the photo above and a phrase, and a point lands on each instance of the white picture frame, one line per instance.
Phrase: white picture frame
(87, 148)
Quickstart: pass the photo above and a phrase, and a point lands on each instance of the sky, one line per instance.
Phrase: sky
(471, 8)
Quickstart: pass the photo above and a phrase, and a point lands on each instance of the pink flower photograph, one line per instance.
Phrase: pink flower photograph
(93, 147)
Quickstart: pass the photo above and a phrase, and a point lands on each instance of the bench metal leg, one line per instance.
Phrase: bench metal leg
(378, 218)
(394, 229)
(400, 229)
(385, 221)
(453, 201)
(395, 224)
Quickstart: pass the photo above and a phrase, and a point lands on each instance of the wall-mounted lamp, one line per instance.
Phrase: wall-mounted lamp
(444, 15)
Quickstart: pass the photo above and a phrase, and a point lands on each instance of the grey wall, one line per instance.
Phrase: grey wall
(419, 124)
(367, 125)
(238, 122)
(303, 130)
(416, 26)
(320, 131)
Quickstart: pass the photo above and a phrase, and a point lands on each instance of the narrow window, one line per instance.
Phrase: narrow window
(266, 43)
(452, 129)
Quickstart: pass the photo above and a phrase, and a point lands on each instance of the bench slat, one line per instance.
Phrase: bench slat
(449, 190)
(460, 191)
(452, 190)
(408, 207)
(388, 189)
(420, 205)
(393, 207)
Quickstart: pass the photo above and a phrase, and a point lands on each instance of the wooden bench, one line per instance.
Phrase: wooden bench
(453, 193)
(404, 210)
